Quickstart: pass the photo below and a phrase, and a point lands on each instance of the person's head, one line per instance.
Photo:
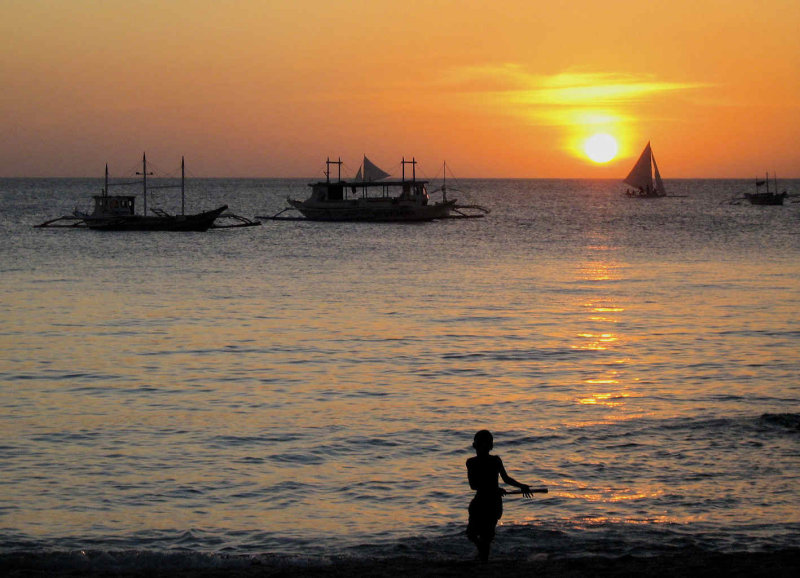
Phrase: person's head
(483, 442)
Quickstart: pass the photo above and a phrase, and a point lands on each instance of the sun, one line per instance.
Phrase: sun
(601, 147)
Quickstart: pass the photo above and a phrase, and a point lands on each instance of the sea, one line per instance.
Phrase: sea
(301, 392)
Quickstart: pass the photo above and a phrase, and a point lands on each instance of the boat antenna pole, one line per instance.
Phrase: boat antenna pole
(183, 196)
(105, 186)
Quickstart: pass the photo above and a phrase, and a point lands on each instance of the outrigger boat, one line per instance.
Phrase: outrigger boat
(645, 177)
(118, 213)
(766, 197)
(369, 197)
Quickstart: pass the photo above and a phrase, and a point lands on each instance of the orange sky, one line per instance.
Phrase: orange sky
(271, 88)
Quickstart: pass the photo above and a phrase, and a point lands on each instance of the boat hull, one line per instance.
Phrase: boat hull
(644, 195)
(372, 210)
(765, 198)
(198, 222)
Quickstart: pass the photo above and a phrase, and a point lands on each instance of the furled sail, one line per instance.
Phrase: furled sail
(372, 172)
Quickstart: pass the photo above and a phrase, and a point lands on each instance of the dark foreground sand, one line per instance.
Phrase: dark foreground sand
(772, 565)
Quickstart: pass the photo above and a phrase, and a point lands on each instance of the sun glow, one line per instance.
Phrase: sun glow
(601, 147)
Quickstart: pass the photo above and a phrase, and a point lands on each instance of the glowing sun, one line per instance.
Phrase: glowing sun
(601, 147)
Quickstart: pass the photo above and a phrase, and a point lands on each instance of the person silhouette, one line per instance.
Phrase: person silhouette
(486, 507)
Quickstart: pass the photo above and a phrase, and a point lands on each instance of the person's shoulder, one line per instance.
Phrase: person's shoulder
(472, 460)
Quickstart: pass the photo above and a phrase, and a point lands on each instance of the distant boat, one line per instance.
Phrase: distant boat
(118, 212)
(371, 197)
(645, 178)
(766, 197)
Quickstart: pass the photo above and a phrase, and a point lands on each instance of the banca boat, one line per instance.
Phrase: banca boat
(371, 197)
(767, 197)
(118, 212)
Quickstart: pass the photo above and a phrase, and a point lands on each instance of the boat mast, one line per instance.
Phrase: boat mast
(413, 164)
(444, 181)
(328, 163)
(144, 181)
(183, 197)
(144, 174)
(105, 186)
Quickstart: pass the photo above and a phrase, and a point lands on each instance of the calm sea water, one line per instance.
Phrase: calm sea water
(307, 390)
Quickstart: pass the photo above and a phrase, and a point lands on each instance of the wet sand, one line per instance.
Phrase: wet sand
(690, 564)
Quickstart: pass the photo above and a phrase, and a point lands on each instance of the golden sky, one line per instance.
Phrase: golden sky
(508, 88)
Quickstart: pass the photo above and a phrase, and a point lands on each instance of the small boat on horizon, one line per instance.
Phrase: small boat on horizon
(372, 197)
(766, 197)
(645, 177)
(118, 212)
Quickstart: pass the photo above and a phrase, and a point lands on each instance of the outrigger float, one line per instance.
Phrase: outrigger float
(371, 198)
(117, 212)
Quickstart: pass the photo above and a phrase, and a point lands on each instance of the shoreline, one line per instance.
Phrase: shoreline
(778, 564)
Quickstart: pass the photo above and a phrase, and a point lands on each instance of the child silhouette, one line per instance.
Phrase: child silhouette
(486, 507)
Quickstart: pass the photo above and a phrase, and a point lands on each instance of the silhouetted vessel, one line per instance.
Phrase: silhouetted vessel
(766, 197)
(370, 197)
(645, 177)
(118, 212)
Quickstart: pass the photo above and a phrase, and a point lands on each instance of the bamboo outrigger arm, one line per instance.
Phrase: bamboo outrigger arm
(76, 223)
(462, 215)
(239, 221)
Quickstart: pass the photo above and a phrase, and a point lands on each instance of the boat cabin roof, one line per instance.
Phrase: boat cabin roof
(118, 197)
(362, 184)
(114, 205)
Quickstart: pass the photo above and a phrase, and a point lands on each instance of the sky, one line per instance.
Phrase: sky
(501, 89)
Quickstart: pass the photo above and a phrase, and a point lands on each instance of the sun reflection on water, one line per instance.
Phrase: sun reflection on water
(603, 311)
(595, 341)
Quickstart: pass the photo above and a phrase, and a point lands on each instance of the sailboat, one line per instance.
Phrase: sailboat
(371, 172)
(645, 178)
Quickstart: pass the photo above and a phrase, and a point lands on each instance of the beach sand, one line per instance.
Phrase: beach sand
(690, 564)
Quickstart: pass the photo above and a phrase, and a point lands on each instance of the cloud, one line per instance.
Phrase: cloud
(563, 98)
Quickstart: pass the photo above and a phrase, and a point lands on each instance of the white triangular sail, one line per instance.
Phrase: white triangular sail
(659, 184)
(371, 171)
(641, 175)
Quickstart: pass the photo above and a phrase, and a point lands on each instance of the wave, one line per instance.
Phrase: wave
(787, 421)
(552, 540)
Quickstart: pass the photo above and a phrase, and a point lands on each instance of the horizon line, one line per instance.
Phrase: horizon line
(312, 178)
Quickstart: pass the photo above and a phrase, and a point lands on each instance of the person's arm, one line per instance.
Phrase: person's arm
(526, 490)
(473, 483)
